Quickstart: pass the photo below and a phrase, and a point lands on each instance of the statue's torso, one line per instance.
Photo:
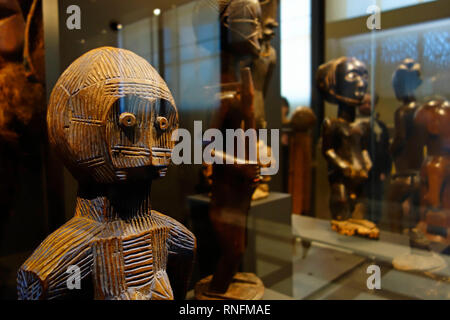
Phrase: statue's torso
(408, 153)
(347, 141)
(130, 258)
(436, 122)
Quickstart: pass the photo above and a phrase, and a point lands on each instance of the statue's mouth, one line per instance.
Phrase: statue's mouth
(140, 156)
(161, 156)
(131, 151)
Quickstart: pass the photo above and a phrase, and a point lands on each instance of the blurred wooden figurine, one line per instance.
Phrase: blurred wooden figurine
(343, 81)
(262, 69)
(406, 149)
(234, 184)
(433, 120)
(376, 140)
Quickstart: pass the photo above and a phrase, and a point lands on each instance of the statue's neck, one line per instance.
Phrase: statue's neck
(409, 99)
(114, 202)
(231, 65)
(265, 47)
(347, 112)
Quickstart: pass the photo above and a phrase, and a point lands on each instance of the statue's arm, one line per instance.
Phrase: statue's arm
(45, 273)
(328, 150)
(423, 126)
(269, 74)
(400, 134)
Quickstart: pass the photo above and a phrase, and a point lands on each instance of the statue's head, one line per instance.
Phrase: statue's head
(406, 79)
(343, 80)
(239, 22)
(269, 18)
(12, 27)
(436, 117)
(111, 117)
(242, 22)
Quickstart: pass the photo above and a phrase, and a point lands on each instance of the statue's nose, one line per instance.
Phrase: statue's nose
(127, 120)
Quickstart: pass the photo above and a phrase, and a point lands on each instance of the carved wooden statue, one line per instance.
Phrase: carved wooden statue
(264, 65)
(262, 69)
(433, 122)
(300, 158)
(344, 81)
(406, 149)
(376, 141)
(234, 184)
(110, 118)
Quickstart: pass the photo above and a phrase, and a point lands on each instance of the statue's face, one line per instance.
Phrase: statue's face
(12, 27)
(269, 23)
(407, 78)
(111, 117)
(243, 18)
(138, 131)
(352, 79)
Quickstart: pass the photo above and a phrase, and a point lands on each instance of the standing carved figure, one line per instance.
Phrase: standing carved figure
(262, 70)
(406, 149)
(344, 81)
(234, 184)
(264, 65)
(376, 141)
(432, 120)
(412, 124)
(110, 118)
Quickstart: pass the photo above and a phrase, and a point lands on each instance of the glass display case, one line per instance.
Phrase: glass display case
(225, 149)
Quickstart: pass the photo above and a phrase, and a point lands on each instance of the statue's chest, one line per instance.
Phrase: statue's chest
(349, 136)
(131, 257)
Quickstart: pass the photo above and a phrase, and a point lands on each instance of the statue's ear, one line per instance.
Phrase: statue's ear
(34, 54)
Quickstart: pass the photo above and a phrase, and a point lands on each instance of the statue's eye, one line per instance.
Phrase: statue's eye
(351, 75)
(162, 123)
(127, 119)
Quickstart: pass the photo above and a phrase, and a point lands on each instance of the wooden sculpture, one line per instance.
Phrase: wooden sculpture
(234, 184)
(407, 153)
(344, 81)
(432, 120)
(264, 65)
(406, 149)
(262, 69)
(376, 141)
(110, 118)
(300, 158)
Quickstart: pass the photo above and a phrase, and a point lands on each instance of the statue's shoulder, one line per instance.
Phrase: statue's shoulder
(44, 273)
(331, 123)
(180, 235)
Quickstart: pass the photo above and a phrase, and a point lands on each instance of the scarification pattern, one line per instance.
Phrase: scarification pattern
(85, 102)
